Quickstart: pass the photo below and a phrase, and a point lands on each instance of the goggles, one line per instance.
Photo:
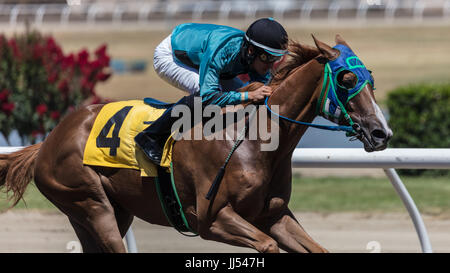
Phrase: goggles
(267, 54)
(268, 58)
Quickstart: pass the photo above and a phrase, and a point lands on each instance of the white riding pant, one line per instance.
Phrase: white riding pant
(180, 75)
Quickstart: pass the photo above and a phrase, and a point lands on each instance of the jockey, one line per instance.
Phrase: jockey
(205, 60)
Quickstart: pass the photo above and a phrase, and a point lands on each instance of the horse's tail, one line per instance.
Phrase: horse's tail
(17, 171)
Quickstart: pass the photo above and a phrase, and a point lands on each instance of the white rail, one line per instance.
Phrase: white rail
(358, 158)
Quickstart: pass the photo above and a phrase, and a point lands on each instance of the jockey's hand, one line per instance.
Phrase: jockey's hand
(259, 94)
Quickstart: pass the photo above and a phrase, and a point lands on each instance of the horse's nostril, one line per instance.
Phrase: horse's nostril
(378, 133)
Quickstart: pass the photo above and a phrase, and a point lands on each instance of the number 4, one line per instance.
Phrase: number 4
(113, 142)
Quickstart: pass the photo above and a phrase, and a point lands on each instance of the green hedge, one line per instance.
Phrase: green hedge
(420, 118)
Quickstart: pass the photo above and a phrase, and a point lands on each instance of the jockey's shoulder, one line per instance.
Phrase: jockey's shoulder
(231, 47)
(208, 27)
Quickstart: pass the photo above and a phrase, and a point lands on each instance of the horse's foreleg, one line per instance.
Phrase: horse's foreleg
(291, 236)
(232, 229)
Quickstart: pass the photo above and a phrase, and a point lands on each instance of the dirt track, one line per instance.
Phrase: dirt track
(344, 232)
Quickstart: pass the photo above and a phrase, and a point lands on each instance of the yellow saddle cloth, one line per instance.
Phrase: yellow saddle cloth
(111, 140)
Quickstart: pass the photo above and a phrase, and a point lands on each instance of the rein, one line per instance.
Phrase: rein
(318, 126)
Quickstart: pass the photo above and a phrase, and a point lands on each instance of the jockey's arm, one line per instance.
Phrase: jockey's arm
(210, 89)
(211, 92)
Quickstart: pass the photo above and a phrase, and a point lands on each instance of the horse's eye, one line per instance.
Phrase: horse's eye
(347, 79)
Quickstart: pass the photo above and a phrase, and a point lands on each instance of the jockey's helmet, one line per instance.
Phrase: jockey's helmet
(269, 38)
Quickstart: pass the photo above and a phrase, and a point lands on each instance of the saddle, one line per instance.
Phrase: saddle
(157, 103)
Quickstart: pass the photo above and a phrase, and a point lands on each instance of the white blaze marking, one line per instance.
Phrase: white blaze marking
(381, 118)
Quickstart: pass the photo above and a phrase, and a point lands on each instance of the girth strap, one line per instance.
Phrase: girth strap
(170, 202)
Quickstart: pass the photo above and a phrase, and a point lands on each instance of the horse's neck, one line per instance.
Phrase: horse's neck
(297, 99)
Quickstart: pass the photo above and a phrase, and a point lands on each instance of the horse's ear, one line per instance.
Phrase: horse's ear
(340, 41)
(325, 49)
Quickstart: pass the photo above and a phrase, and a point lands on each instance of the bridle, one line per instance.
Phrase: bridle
(332, 91)
(353, 130)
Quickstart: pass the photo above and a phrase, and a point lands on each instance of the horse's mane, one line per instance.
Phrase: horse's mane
(298, 55)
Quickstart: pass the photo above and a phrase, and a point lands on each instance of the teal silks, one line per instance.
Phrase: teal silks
(334, 97)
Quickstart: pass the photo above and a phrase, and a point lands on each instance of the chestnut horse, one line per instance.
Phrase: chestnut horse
(250, 208)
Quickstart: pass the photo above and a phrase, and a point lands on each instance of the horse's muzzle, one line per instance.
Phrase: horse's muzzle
(375, 139)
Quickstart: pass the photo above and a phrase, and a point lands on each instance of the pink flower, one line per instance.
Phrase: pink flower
(4, 95)
(68, 61)
(103, 76)
(86, 84)
(104, 60)
(51, 44)
(55, 115)
(101, 51)
(15, 49)
(102, 57)
(8, 107)
(86, 71)
(38, 52)
(63, 86)
(83, 57)
(53, 48)
(96, 64)
(52, 77)
(35, 133)
(41, 109)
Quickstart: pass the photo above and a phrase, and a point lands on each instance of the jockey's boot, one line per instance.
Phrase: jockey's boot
(154, 137)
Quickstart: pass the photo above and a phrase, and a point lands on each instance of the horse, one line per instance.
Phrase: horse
(250, 208)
